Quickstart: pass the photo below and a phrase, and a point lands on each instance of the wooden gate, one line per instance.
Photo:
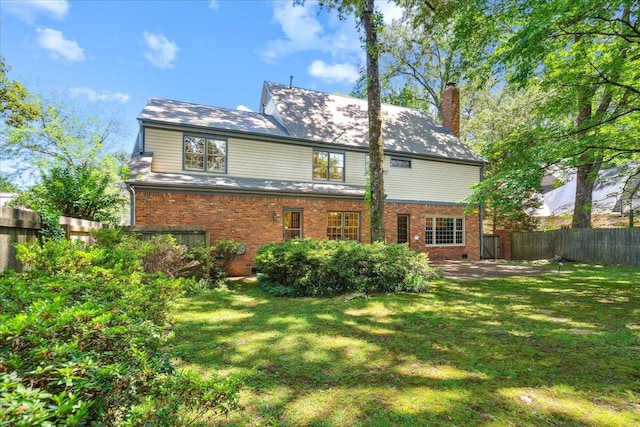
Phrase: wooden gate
(491, 246)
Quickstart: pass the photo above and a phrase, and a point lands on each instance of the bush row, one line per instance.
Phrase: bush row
(306, 267)
(81, 337)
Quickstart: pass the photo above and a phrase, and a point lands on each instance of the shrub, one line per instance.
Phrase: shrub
(83, 344)
(226, 251)
(306, 267)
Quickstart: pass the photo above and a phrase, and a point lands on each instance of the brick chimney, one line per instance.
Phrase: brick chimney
(451, 108)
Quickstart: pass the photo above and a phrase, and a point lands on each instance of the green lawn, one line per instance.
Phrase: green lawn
(558, 349)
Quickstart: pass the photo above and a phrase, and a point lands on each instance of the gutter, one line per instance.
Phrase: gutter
(196, 189)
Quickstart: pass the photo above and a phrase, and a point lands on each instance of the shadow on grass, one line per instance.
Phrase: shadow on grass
(554, 349)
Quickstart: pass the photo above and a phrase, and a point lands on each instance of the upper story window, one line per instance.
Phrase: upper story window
(400, 163)
(442, 231)
(328, 165)
(205, 153)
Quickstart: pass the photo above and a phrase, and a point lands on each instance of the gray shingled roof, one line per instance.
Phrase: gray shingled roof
(320, 117)
(323, 117)
(185, 113)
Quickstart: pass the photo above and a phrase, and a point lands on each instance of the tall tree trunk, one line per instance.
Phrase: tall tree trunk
(590, 162)
(376, 149)
(586, 176)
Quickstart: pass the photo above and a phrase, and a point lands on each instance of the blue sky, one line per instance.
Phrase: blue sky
(210, 52)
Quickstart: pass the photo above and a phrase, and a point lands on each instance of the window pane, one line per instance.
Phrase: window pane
(459, 231)
(216, 155)
(351, 226)
(403, 228)
(292, 223)
(334, 225)
(336, 166)
(320, 164)
(400, 163)
(428, 232)
(193, 153)
(444, 231)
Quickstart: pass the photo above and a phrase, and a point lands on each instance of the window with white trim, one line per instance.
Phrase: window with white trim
(444, 231)
(204, 153)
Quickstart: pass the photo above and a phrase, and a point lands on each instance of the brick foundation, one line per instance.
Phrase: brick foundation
(257, 220)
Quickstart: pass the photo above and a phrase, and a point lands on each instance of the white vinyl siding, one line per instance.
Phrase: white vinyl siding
(166, 147)
(255, 159)
(245, 158)
(428, 180)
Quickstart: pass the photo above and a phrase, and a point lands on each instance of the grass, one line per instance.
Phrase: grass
(557, 349)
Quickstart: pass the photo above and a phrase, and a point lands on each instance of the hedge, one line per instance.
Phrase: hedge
(307, 267)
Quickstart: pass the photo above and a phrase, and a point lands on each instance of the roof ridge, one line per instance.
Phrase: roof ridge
(363, 100)
(203, 105)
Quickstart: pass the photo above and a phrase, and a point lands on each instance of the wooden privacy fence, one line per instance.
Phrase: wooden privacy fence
(190, 236)
(79, 229)
(16, 226)
(599, 245)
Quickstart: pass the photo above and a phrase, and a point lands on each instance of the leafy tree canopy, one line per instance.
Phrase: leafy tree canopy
(79, 192)
(15, 109)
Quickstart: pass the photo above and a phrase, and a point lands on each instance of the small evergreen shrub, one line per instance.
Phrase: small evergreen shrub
(306, 267)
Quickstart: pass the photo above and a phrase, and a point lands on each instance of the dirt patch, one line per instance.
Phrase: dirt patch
(487, 269)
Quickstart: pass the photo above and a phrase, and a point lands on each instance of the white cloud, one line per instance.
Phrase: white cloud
(335, 73)
(214, 4)
(160, 51)
(27, 10)
(94, 96)
(242, 107)
(58, 46)
(390, 11)
(304, 32)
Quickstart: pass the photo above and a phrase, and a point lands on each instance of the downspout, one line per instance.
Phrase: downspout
(132, 205)
(480, 218)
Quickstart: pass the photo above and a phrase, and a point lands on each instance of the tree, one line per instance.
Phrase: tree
(503, 129)
(421, 55)
(370, 21)
(15, 110)
(61, 134)
(6, 186)
(80, 174)
(84, 192)
(585, 55)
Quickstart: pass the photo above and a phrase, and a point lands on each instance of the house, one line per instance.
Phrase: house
(615, 194)
(6, 198)
(297, 168)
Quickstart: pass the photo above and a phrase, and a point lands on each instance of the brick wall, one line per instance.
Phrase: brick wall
(256, 220)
